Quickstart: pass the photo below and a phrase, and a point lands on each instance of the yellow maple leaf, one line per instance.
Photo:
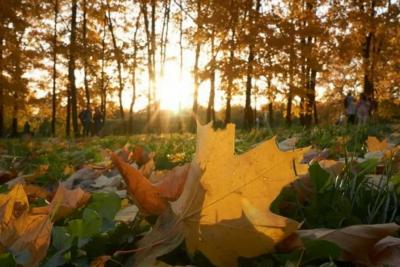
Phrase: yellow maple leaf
(12, 205)
(216, 212)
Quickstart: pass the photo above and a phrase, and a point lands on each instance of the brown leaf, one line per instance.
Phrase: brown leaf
(387, 252)
(28, 234)
(139, 155)
(147, 196)
(100, 261)
(171, 186)
(66, 201)
(357, 241)
(34, 192)
(6, 176)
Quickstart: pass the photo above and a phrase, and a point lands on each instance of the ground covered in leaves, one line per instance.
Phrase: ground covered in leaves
(135, 200)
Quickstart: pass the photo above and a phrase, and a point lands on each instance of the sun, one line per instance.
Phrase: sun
(174, 91)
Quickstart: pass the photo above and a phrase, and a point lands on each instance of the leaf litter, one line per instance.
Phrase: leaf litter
(217, 204)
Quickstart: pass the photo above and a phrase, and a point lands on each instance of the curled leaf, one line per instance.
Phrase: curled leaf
(147, 196)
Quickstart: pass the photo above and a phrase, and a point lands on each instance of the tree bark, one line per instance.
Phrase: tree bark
(71, 70)
(118, 57)
(369, 87)
(196, 71)
(211, 99)
(103, 104)
(1, 88)
(133, 100)
(248, 113)
(291, 80)
(54, 97)
(149, 65)
(85, 60)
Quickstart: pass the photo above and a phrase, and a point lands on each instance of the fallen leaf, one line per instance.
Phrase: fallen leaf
(386, 252)
(6, 176)
(35, 191)
(127, 214)
(139, 156)
(147, 196)
(374, 144)
(66, 201)
(147, 169)
(215, 213)
(288, 144)
(12, 206)
(357, 241)
(68, 170)
(100, 261)
(171, 186)
(28, 238)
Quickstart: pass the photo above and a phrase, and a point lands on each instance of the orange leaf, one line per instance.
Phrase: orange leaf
(147, 196)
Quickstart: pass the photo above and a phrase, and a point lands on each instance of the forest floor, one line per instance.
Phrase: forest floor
(83, 215)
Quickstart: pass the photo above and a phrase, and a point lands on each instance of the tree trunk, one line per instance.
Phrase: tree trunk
(231, 62)
(133, 100)
(248, 113)
(71, 70)
(54, 97)
(369, 87)
(103, 104)
(118, 57)
(1, 89)
(85, 60)
(196, 73)
(291, 80)
(149, 65)
(211, 99)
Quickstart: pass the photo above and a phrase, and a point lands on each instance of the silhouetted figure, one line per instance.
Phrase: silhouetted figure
(363, 109)
(27, 128)
(85, 116)
(98, 121)
(45, 128)
(350, 106)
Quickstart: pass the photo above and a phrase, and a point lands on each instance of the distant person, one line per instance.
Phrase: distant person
(363, 109)
(98, 121)
(350, 107)
(27, 128)
(45, 128)
(85, 116)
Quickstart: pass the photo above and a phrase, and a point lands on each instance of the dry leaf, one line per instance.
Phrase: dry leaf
(68, 170)
(386, 252)
(217, 210)
(67, 201)
(374, 144)
(28, 234)
(148, 168)
(100, 261)
(357, 241)
(6, 176)
(171, 186)
(34, 191)
(12, 206)
(147, 196)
